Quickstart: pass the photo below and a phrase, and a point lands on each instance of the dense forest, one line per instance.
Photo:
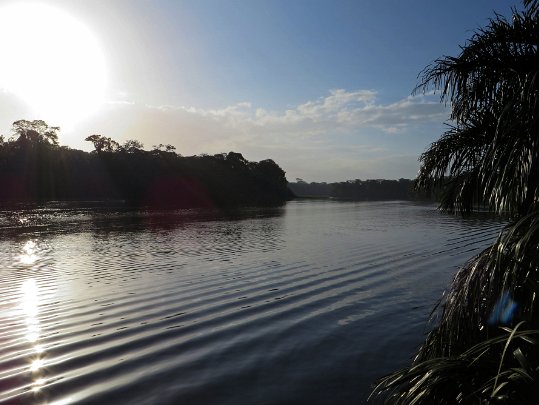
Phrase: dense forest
(361, 190)
(34, 168)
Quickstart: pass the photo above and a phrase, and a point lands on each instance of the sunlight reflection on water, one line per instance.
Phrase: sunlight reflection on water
(29, 255)
(309, 304)
(30, 307)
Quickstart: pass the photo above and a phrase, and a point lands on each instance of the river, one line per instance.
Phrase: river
(309, 303)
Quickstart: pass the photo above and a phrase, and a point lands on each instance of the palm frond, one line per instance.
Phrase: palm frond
(478, 352)
(494, 371)
(496, 63)
(532, 6)
(454, 162)
(490, 153)
(494, 290)
(510, 266)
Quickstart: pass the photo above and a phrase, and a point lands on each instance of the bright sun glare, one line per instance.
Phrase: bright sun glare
(51, 61)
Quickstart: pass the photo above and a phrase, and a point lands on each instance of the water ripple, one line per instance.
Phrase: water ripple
(292, 305)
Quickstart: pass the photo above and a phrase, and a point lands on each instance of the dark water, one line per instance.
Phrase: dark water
(309, 303)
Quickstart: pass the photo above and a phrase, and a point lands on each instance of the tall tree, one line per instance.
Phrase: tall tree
(484, 347)
(35, 132)
(132, 146)
(103, 144)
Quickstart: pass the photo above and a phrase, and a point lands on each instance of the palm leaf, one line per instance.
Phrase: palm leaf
(490, 152)
(489, 156)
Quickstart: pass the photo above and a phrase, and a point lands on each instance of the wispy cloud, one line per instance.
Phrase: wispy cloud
(344, 133)
(398, 117)
(339, 110)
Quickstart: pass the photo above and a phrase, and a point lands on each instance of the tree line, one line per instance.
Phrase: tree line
(362, 190)
(34, 168)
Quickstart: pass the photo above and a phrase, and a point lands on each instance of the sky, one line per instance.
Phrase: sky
(322, 87)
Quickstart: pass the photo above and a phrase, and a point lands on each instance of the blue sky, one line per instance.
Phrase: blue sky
(321, 87)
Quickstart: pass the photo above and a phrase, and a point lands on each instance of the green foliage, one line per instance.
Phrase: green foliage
(494, 371)
(507, 267)
(489, 156)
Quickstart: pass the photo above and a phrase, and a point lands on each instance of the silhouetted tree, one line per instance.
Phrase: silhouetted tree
(35, 132)
(358, 190)
(103, 144)
(236, 160)
(159, 178)
(132, 146)
(164, 148)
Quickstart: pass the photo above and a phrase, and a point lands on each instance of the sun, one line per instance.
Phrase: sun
(51, 61)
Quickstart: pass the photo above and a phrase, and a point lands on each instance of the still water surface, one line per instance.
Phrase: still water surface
(308, 303)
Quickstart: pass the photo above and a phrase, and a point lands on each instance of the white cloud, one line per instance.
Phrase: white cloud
(341, 110)
(343, 135)
(398, 116)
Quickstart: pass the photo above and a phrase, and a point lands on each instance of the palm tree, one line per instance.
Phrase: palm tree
(485, 347)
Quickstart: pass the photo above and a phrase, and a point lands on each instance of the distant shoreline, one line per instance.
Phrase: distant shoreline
(360, 190)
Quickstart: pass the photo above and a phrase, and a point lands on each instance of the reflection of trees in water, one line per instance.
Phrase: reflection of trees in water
(116, 241)
(157, 240)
